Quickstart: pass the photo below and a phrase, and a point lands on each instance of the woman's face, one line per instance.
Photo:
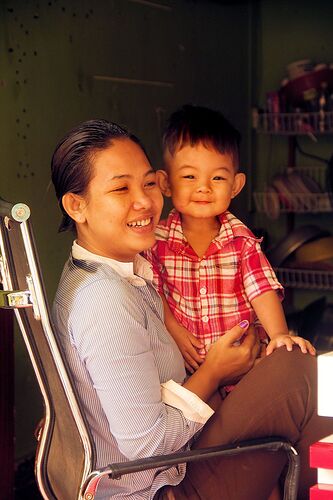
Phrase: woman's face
(122, 205)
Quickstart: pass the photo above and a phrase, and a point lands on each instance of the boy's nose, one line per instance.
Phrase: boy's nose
(203, 187)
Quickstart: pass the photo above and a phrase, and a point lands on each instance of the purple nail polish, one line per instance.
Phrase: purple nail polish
(244, 323)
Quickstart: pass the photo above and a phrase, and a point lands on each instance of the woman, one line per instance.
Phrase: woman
(128, 371)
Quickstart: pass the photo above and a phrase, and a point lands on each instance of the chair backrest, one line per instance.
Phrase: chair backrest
(65, 453)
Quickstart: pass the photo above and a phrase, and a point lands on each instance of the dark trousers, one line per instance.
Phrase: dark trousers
(276, 398)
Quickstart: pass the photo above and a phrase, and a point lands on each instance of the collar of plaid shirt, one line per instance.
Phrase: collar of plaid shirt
(231, 228)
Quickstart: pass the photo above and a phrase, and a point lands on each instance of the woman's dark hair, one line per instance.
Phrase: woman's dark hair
(71, 160)
(196, 124)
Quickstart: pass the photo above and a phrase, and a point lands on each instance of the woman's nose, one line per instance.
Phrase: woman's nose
(142, 200)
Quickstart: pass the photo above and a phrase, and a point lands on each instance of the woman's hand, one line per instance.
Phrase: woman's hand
(288, 341)
(225, 362)
(233, 361)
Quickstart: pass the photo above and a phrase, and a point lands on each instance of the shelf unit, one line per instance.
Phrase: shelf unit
(302, 203)
(273, 203)
(299, 123)
(305, 278)
(297, 202)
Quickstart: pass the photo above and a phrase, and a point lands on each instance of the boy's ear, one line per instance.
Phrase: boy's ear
(74, 205)
(239, 183)
(163, 182)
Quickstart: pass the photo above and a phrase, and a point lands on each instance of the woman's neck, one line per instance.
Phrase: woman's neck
(100, 252)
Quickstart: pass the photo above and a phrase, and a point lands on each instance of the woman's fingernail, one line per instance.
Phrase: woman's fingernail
(244, 323)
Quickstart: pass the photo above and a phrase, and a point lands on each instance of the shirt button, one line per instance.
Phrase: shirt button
(205, 319)
(203, 290)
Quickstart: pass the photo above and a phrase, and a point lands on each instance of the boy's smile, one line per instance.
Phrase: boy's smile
(201, 181)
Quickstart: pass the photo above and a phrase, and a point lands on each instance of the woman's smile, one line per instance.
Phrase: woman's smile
(143, 223)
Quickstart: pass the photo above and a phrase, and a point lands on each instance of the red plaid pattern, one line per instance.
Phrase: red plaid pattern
(208, 296)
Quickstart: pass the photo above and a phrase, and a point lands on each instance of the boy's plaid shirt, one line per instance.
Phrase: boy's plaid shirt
(210, 295)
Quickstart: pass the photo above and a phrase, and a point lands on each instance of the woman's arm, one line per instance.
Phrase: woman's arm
(109, 329)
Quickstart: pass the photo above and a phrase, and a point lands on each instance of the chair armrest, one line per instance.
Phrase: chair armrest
(117, 470)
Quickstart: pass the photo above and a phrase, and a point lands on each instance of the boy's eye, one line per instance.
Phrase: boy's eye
(188, 176)
(219, 178)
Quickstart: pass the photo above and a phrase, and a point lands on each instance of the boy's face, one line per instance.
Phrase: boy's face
(201, 181)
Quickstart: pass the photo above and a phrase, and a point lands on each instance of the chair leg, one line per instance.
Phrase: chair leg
(292, 477)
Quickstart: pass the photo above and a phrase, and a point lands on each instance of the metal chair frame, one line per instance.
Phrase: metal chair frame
(64, 436)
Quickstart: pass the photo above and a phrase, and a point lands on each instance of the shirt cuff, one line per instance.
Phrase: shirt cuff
(192, 407)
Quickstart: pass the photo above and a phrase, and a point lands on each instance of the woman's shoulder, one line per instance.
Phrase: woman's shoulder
(79, 275)
(85, 287)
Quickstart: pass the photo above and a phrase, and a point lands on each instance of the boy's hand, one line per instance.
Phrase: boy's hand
(190, 346)
(289, 341)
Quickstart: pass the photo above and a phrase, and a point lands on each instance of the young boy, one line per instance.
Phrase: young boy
(208, 266)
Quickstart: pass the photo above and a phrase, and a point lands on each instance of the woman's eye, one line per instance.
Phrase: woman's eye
(120, 189)
(151, 184)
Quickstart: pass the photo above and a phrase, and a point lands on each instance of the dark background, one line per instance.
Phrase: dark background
(133, 62)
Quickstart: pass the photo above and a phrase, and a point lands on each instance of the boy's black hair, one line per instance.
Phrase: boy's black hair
(194, 124)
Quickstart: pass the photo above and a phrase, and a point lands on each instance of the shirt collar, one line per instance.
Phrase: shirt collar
(231, 228)
(135, 272)
(176, 240)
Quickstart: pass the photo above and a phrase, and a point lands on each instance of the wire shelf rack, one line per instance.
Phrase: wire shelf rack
(272, 202)
(317, 172)
(273, 205)
(299, 123)
(305, 278)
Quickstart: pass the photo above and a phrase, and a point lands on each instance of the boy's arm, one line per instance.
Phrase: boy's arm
(187, 343)
(269, 311)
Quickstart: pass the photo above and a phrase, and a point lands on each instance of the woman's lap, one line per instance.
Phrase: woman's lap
(277, 398)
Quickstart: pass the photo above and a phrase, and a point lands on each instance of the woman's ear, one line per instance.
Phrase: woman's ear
(239, 183)
(163, 182)
(74, 205)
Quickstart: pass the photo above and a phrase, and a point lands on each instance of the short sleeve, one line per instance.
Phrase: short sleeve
(258, 275)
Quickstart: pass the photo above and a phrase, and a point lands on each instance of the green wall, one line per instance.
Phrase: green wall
(152, 56)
